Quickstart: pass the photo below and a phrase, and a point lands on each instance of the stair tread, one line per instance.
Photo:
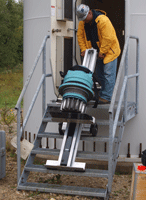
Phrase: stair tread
(100, 106)
(83, 136)
(103, 122)
(99, 122)
(54, 188)
(106, 106)
(80, 154)
(83, 121)
(88, 172)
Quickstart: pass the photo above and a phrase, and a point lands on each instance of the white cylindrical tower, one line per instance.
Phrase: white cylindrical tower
(37, 24)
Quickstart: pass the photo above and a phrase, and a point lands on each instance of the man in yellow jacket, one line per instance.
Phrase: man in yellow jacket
(96, 30)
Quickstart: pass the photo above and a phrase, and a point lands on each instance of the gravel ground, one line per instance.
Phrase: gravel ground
(8, 185)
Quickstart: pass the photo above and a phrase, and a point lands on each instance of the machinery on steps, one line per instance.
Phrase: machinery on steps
(77, 85)
(76, 91)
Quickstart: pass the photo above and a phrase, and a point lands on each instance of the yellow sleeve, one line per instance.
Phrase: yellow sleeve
(107, 33)
(81, 36)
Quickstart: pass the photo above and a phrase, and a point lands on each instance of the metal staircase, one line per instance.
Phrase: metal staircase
(118, 112)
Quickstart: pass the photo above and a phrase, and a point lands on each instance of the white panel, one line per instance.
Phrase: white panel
(36, 9)
(136, 128)
(138, 6)
(60, 10)
(37, 23)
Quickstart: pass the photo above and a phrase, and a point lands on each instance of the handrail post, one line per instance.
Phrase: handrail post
(18, 144)
(44, 82)
(137, 78)
(74, 32)
(126, 89)
(110, 158)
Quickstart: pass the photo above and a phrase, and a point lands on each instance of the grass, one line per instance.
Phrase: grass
(11, 83)
(34, 194)
(12, 155)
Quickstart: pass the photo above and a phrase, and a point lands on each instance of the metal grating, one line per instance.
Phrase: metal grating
(73, 190)
(88, 172)
(80, 154)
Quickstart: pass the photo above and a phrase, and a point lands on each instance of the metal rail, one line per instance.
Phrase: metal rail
(123, 90)
(123, 95)
(42, 84)
(42, 48)
(74, 2)
(121, 68)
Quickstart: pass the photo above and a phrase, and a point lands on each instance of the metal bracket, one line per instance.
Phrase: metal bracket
(68, 151)
(71, 29)
(56, 30)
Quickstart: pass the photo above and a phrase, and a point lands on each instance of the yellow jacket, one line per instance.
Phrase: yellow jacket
(108, 43)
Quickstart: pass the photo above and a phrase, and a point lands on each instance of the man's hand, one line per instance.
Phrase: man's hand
(83, 53)
(101, 56)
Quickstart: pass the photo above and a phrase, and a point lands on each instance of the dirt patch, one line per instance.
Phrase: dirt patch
(8, 185)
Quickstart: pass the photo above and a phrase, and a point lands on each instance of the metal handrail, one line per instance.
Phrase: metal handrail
(31, 72)
(111, 108)
(74, 2)
(126, 77)
(118, 77)
(119, 106)
(18, 105)
(123, 94)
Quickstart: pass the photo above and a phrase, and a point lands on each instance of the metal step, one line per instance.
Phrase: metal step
(71, 190)
(104, 123)
(88, 172)
(80, 154)
(84, 137)
(82, 121)
(106, 106)
(91, 104)
(98, 122)
(96, 139)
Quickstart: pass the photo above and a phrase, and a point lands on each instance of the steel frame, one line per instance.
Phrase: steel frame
(18, 105)
(113, 117)
(123, 95)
